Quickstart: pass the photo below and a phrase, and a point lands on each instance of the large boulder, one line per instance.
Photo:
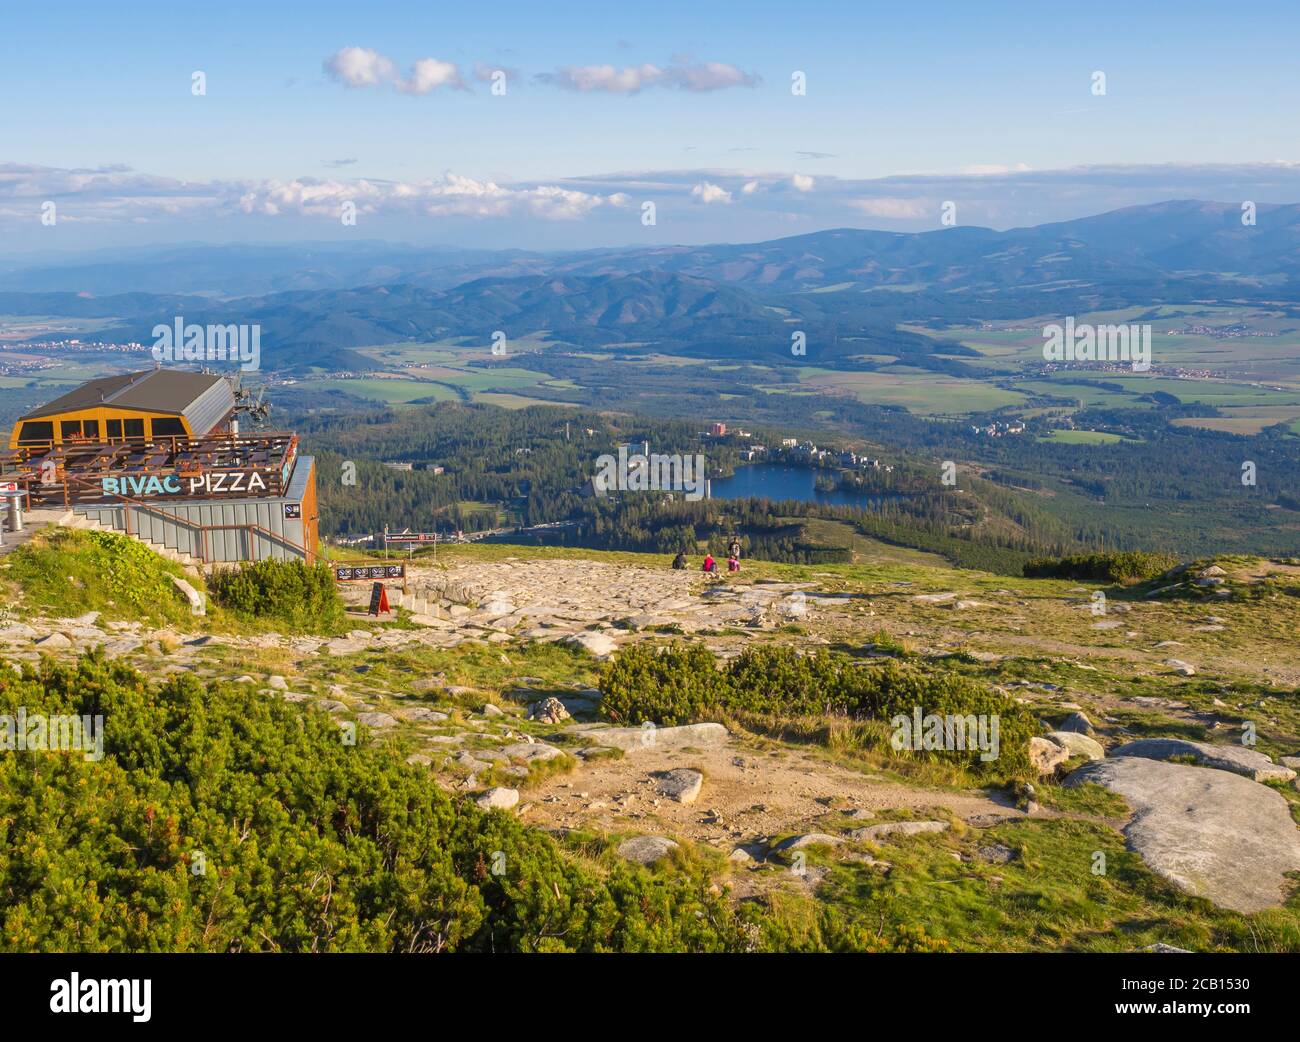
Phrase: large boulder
(646, 850)
(549, 710)
(498, 798)
(1077, 744)
(1077, 723)
(1211, 833)
(1046, 755)
(599, 644)
(1235, 758)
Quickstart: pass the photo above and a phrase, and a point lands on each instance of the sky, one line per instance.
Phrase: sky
(1012, 113)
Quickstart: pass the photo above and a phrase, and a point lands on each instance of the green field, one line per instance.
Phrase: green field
(1084, 438)
(922, 392)
(389, 392)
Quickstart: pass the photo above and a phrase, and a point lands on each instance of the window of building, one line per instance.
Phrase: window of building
(36, 430)
(69, 429)
(168, 426)
(133, 428)
(90, 428)
(114, 428)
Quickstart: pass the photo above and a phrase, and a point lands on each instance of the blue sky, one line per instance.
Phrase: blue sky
(990, 105)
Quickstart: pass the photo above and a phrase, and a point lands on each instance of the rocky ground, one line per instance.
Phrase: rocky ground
(1148, 698)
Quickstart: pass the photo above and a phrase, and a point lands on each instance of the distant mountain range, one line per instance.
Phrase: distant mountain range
(848, 288)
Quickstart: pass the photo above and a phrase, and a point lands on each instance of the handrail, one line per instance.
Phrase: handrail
(250, 526)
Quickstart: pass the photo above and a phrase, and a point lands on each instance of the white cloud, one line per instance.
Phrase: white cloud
(894, 209)
(802, 182)
(687, 75)
(455, 195)
(429, 74)
(706, 76)
(984, 169)
(706, 192)
(120, 195)
(604, 78)
(360, 67)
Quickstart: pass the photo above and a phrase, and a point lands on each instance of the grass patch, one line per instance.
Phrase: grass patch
(66, 572)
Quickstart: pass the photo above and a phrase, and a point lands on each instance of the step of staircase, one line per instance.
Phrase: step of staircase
(71, 519)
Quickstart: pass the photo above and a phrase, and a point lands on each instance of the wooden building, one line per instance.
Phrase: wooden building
(133, 407)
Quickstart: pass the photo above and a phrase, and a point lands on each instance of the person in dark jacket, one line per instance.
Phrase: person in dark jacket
(679, 562)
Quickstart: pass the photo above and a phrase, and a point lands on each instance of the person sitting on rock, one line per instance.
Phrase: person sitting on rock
(710, 565)
(679, 562)
(733, 564)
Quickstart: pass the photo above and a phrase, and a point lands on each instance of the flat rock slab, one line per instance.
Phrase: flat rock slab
(646, 850)
(1211, 833)
(1238, 759)
(682, 785)
(808, 839)
(642, 739)
(933, 598)
(420, 714)
(875, 833)
(532, 751)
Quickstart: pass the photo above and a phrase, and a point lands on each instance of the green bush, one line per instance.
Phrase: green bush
(681, 684)
(669, 688)
(1128, 566)
(297, 594)
(223, 822)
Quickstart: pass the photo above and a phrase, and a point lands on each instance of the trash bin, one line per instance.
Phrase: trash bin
(15, 512)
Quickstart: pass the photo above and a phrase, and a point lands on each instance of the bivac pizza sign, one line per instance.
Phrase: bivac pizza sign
(210, 483)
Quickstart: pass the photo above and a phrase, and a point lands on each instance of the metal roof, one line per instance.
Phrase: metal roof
(168, 391)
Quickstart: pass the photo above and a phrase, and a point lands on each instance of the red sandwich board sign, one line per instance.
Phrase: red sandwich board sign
(378, 600)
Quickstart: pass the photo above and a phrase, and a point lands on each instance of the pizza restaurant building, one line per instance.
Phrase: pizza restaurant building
(158, 456)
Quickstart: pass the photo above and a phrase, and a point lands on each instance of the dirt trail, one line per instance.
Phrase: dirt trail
(748, 793)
